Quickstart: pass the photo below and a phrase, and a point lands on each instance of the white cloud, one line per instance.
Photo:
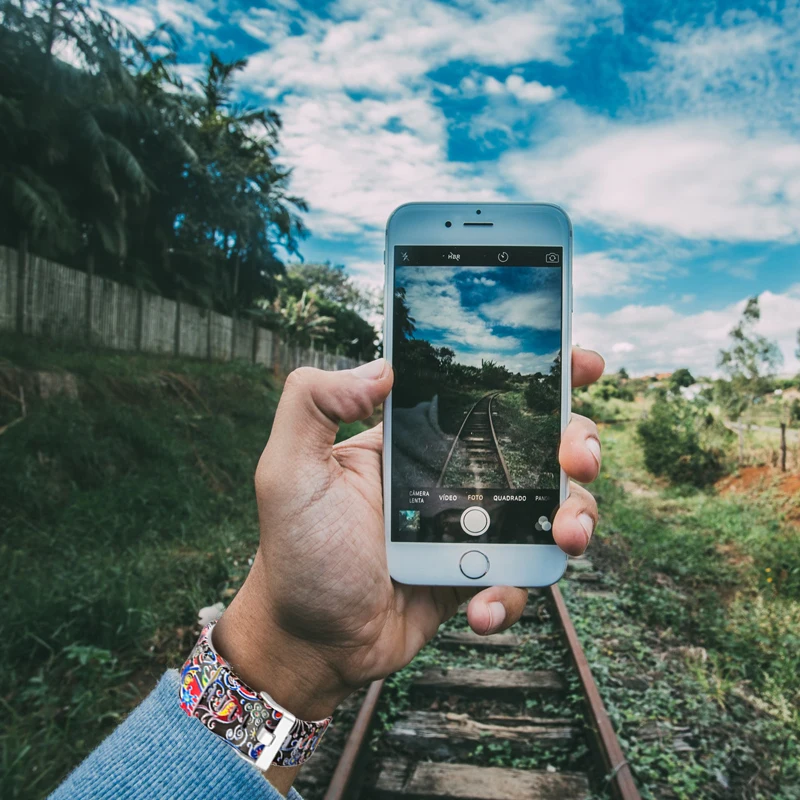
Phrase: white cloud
(539, 311)
(694, 179)
(530, 92)
(515, 86)
(525, 363)
(348, 165)
(141, 18)
(743, 64)
(354, 171)
(623, 347)
(614, 272)
(187, 18)
(659, 338)
(435, 304)
(367, 273)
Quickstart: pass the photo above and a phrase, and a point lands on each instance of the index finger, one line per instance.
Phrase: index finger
(587, 366)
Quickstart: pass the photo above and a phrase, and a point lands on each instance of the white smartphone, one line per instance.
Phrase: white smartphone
(478, 313)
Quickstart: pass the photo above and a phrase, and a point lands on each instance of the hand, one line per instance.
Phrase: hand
(318, 615)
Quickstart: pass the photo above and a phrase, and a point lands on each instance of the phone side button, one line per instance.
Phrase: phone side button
(474, 564)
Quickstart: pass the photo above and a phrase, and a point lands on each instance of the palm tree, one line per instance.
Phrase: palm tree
(297, 317)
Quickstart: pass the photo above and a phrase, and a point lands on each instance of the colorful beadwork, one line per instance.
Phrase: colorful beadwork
(229, 708)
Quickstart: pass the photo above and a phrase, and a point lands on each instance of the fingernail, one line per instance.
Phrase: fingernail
(373, 369)
(594, 448)
(587, 523)
(497, 615)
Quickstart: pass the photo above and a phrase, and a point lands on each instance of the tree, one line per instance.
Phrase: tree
(106, 158)
(331, 282)
(681, 378)
(622, 374)
(748, 363)
(672, 444)
(298, 318)
(337, 297)
(543, 392)
(493, 375)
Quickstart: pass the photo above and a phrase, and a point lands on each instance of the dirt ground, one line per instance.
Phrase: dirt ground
(764, 478)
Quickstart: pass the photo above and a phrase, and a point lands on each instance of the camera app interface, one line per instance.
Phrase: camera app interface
(476, 402)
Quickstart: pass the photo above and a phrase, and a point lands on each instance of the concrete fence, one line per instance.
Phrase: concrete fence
(42, 298)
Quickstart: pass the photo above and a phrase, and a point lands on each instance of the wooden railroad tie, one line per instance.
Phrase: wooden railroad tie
(400, 778)
(489, 681)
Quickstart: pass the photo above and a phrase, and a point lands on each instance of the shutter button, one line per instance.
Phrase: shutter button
(475, 521)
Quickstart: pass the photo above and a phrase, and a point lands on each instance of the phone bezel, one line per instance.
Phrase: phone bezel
(514, 224)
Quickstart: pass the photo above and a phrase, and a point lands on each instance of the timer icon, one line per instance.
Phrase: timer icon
(502, 257)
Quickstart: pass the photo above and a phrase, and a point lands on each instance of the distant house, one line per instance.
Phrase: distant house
(693, 392)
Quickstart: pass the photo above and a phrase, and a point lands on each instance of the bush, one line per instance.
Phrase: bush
(672, 444)
(542, 394)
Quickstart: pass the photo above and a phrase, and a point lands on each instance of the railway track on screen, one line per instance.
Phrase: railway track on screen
(475, 457)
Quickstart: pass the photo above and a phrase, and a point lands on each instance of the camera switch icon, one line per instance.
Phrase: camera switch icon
(551, 258)
(543, 524)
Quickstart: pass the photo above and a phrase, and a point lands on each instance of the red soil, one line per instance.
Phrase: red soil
(763, 478)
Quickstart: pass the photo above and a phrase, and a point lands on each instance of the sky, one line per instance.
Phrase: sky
(668, 130)
(510, 315)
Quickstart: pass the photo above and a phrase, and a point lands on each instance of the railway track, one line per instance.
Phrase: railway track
(491, 696)
(463, 714)
(475, 458)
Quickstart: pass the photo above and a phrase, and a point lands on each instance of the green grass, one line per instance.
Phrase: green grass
(529, 442)
(708, 616)
(540, 648)
(125, 511)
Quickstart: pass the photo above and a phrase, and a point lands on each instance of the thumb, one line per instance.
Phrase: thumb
(314, 402)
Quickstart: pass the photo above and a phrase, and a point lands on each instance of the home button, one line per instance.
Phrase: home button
(474, 564)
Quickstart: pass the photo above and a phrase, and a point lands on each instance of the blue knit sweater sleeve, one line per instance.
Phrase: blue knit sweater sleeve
(159, 752)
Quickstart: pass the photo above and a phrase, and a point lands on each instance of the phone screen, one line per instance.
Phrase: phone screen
(476, 403)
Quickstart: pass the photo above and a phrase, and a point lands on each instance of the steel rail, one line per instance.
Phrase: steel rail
(342, 778)
(616, 767)
(491, 396)
(455, 442)
(497, 444)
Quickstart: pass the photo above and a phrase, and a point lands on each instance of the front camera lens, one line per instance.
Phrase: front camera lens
(448, 224)
(478, 211)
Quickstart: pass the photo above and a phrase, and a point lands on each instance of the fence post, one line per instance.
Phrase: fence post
(139, 318)
(22, 269)
(783, 447)
(89, 295)
(208, 332)
(276, 353)
(177, 344)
